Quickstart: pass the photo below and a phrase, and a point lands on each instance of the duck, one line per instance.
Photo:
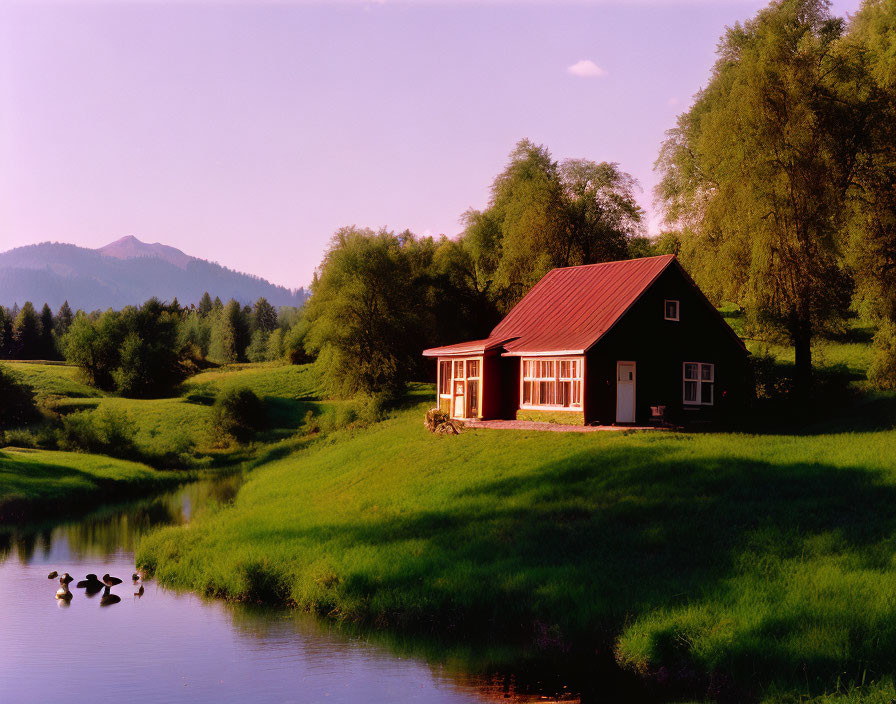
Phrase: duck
(53, 575)
(139, 592)
(92, 584)
(136, 576)
(110, 581)
(63, 592)
(108, 598)
(66, 578)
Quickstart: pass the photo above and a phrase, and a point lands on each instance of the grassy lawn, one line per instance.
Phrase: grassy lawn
(34, 482)
(767, 560)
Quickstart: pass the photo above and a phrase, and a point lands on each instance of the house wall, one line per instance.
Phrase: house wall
(659, 348)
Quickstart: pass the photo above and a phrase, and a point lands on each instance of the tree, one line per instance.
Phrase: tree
(26, 332)
(264, 316)
(872, 226)
(63, 322)
(94, 346)
(230, 334)
(205, 305)
(756, 172)
(527, 199)
(603, 214)
(6, 337)
(47, 338)
(363, 313)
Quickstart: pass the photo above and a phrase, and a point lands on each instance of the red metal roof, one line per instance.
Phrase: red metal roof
(466, 348)
(572, 308)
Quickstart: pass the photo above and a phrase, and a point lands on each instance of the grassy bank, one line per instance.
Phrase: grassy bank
(35, 483)
(763, 560)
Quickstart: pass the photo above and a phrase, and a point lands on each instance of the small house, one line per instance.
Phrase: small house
(616, 343)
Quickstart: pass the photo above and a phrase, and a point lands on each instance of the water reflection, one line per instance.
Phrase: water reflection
(174, 646)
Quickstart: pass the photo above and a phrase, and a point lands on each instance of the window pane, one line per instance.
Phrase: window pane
(458, 370)
(690, 391)
(527, 368)
(527, 392)
(473, 368)
(444, 377)
(690, 371)
(546, 393)
(473, 391)
(706, 393)
(563, 393)
(576, 393)
(565, 370)
(706, 372)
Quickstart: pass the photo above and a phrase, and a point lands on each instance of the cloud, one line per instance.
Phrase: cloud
(673, 102)
(586, 69)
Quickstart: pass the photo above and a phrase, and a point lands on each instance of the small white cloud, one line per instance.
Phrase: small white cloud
(586, 69)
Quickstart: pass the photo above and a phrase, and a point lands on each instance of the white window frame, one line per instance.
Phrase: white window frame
(576, 382)
(700, 381)
(465, 378)
(677, 303)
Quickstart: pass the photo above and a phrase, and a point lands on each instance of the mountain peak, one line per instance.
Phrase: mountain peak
(129, 247)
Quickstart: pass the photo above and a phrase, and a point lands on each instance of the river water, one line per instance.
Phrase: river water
(170, 646)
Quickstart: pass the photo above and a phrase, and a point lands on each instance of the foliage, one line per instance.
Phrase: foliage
(757, 171)
(364, 315)
(543, 215)
(883, 366)
(238, 414)
(27, 333)
(136, 351)
(104, 432)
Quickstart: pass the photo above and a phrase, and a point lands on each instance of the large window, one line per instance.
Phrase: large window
(556, 383)
(444, 378)
(699, 380)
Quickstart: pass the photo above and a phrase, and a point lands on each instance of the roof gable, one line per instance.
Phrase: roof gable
(571, 308)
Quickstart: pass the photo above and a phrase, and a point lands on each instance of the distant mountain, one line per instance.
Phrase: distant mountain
(122, 273)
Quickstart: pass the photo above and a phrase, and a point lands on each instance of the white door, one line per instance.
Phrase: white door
(625, 392)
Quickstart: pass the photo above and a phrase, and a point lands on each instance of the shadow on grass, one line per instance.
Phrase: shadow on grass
(566, 556)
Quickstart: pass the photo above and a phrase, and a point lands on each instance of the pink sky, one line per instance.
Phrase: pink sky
(247, 133)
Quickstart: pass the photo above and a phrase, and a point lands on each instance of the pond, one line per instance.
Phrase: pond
(169, 646)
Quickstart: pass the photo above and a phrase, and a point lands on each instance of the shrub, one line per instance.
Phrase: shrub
(238, 414)
(104, 431)
(882, 372)
(339, 418)
(17, 406)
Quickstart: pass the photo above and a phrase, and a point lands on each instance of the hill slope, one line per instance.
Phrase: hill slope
(124, 272)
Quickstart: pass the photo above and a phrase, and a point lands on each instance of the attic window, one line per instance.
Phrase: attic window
(671, 309)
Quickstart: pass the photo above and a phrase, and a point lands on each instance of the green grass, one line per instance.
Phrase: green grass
(179, 429)
(34, 482)
(52, 380)
(766, 558)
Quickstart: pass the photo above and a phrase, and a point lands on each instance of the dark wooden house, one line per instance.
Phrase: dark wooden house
(616, 343)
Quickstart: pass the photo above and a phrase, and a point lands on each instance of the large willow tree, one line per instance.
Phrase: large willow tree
(757, 171)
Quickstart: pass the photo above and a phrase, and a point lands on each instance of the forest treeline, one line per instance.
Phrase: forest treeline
(147, 350)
